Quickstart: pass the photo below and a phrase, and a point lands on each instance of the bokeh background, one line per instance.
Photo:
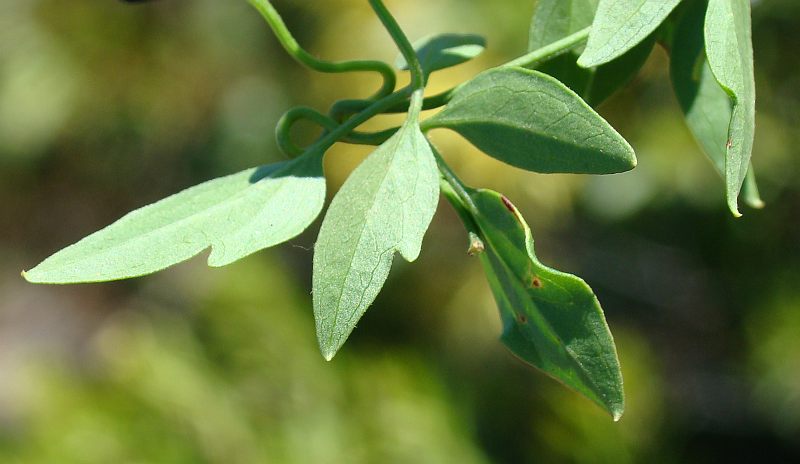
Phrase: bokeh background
(106, 106)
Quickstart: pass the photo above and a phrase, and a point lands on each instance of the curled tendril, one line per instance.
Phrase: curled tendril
(294, 49)
(298, 113)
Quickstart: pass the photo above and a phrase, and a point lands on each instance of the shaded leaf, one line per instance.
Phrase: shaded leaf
(443, 51)
(385, 206)
(551, 319)
(235, 215)
(554, 20)
(620, 25)
(531, 120)
(729, 48)
(707, 107)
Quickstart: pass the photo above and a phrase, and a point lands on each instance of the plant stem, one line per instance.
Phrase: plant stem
(458, 188)
(399, 37)
(344, 129)
(344, 108)
(294, 49)
(289, 148)
(548, 52)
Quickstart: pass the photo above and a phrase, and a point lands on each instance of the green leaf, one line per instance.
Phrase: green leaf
(235, 215)
(532, 121)
(622, 24)
(444, 51)
(729, 48)
(707, 107)
(384, 206)
(554, 20)
(551, 319)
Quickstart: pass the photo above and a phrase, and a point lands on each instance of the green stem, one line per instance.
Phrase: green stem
(287, 121)
(548, 52)
(344, 129)
(291, 46)
(458, 188)
(399, 37)
(344, 108)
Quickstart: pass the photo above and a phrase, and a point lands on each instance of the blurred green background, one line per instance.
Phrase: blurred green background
(106, 106)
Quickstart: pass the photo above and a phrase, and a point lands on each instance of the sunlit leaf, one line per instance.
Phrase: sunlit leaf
(531, 120)
(620, 25)
(551, 319)
(708, 108)
(554, 20)
(385, 206)
(729, 48)
(443, 51)
(235, 215)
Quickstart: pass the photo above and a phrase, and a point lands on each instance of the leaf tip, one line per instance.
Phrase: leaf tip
(734, 207)
(33, 277)
(616, 414)
(756, 203)
(328, 354)
(585, 61)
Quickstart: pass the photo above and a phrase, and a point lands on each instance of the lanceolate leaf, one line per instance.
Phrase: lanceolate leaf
(235, 215)
(622, 24)
(551, 319)
(444, 51)
(729, 49)
(385, 206)
(708, 108)
(555, 19)
(532, 121)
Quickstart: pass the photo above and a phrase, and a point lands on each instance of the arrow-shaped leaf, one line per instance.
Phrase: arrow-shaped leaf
(708, 108)
(443, 51)
(620, 25)
(551, 319)
(531, 120)
(729, 48)
(235, 215)
(385, 206)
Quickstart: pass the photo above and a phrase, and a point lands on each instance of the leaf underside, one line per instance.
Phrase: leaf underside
(620, 25)
(532, 121)
(235, 215)
(707, 107)
(443, 51)
(385, 206)
(551, 319)
(729, 48)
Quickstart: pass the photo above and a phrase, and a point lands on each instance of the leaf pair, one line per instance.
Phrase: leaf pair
(712, 68)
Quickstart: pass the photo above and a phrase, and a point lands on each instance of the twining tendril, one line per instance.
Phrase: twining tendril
(294, 49)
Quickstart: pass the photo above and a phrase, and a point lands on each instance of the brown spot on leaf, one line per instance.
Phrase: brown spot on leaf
(508, 204)
(522, 319)
(729, 144)
(536, 282)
